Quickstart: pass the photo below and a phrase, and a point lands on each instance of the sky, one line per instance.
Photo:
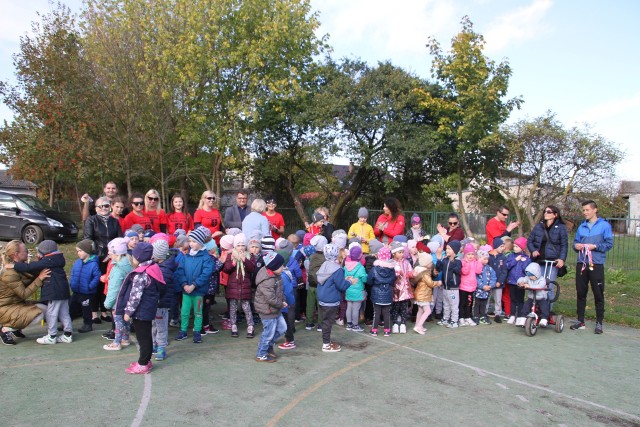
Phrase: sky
(577, 58)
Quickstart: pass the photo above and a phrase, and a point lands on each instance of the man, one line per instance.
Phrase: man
(234, 214)
(110, 191)
(594, 238)
(497, 226)
(453, 231)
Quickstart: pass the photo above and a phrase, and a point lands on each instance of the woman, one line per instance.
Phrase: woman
(390, 223)
(15, 311)
(276, 221)
(178, 217)
(117, 211)
(101, 228)
(549, 241)
(153, 210)
(255, 223)
(137, 214)
(208, 215)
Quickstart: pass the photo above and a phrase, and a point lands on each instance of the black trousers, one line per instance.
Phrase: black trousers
(594, 277)
(328, 318)
(143, 334)
(85, 301)
(290, 317)
(385, 312)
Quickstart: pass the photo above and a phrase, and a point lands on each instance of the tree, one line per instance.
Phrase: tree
(470, 108)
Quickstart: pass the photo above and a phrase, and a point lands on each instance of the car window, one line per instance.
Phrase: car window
(7, 202)
(30, 203)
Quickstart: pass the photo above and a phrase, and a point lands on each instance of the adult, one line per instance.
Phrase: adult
(276, 221)
(549, 241)
(497, 226)
(391, 222)
(153, 210)
(137, 215)
(179, 217)
(110, 191)
(453, 231)
(594, 238)
(208, 215)
(236, 213)
(16, 312)
(101, 228)
(255, 224)
(117, 210)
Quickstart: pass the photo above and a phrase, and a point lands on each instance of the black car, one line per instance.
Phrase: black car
(26, 218)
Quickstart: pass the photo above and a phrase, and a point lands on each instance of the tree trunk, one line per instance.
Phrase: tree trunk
(52, 184)
(347, 197)
(461, 209)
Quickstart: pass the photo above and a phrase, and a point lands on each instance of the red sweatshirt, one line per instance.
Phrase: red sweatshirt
(393, 228)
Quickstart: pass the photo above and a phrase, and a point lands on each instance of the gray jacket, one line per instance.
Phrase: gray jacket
(269, 297)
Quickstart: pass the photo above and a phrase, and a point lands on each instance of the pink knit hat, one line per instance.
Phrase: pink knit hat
(469, 248)
(521, 242)
(384, 254)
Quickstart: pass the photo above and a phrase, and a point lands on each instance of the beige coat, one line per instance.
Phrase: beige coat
(424, 285)
(15, 288)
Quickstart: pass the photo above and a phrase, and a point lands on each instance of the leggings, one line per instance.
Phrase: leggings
(400, 308)
(384, 311)
(143, 334)
(233, 311)
(466, 302)
(353, 312)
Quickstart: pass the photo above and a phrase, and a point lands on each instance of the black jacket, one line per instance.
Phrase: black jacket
(101, 233)
(56, 287)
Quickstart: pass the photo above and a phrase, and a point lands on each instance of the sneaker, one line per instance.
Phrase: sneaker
(442, 322)
(154, 350)
(498, 319)
(106, 318)
(266, 358)
(349, 326)
(125, 343)
(161, 354)
(85, 328)
(419, 331)
(520, 321)
(174, 323)
(483, 321)
(373, 332)
(488, 320)
(112, 347)
(331, 347)
(452, 324)
(470, 322)
(66, 339)
(512, 320)
(250, 332)
(197, 337)
(225, 315)
(110, 335)
(226, 325)
(357, 328)
(181, 335)
(543, 323)
(340, 322)
(136, 368)
(598, 329)
(395, 329)
(47, 339)
(403, 328)
(18, 334)
(577, 325)
(7, 339)
(319, 328)
(297, 320)
(462, 322)
(234, 334)
(309, 326)
(287, 345)
(96, 321)
(209, 330)
(387, 333)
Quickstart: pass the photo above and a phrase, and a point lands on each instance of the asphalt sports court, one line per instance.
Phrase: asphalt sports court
(482, 376)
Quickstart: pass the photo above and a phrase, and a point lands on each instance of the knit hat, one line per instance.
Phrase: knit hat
(469, 248)
(355, 252)
(200, 234)
(363, 212)
(437, 239)
(130, 233)
(47, 246)
(211, 244)
(273, 261)
(352, 241)
(239, 239)
(268, 244)
(148, 234)
(226, 242)
(433, 246)
(384, 254)
(412, 243)
(396, 246)
(482, 254)
(143, 252)
(317, 217)
(340, 239)
(421, 247)
(497, 242)
(255, 242)
(319, 241)
(179, 232)
(425, 260)
(285, 246)
(455, 246)
(137, 228)
(85, 245)
(306, 241)
(181, 240)
(374, 246)
(300, 234)
(233, 231)
(466, 240)
(160, 249)
(118, 246)
(308, 250)
(400, 238)
(159, 236)
(521, 242)
(331, 252)
(486, 248)
(415, 219)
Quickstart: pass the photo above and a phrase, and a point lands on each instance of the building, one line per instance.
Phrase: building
(16, 186)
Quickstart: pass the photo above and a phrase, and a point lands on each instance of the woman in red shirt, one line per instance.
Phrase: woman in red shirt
(178, 217)
(153, 210)
(117, 208)
(391, 222)
(137, 216)
(276, 221)
(208, 215)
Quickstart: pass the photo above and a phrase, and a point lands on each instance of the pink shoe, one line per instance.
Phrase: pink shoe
(139, 369)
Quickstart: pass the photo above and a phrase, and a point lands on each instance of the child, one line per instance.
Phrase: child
(382, 279)
(85, 275)
(288, 312)
(450, 267)
(268, 302)
(121, 267)
(226, 246)
(212, 290)
(315, 262)
(436, 255)
(331, 284)
(55, 291)
(535, 282)
(486, 282)
(160, 326)
(416, 232)
(497, 261)
(471, 267)
(138, 302)
(193, 273)
(355, 293)
(239, 266)
(402, 291)
(423, 294)
(516, 264)
(361, 230)
(179, 249)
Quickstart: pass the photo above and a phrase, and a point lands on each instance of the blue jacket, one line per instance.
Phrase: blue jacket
(600, 234)
(382, 280)
(288, 290)
(195, 270)
(55, 287)
(557, 245)
(450, 273)
(498, 263)
(486, 278)
(140, 292)
(330, 292)
(167, 294)
(516, 268)
(294, 267)
(85, 276)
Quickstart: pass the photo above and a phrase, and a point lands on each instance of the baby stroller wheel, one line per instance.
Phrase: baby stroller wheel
(559, 318)
(530, 326)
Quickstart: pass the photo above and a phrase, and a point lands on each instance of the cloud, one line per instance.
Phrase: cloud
(522, 24)
(608, 109)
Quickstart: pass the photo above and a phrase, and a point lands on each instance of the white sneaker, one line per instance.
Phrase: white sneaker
(340, 322)
(46, 340)
(452, 325)
(543, 323)
(395, 329)
(470, 322)
(462, 322)
(511, 320)
(520, 321)
(65, 339)
(403, 329)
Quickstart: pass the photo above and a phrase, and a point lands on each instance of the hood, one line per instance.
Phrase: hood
(263, 275)
(326, 270)
(387, 272)
(152, 269)
(534, 268)
(351, 265)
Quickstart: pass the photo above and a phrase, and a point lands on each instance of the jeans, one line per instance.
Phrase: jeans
(160, 327)
(544, 308)
(272, 329)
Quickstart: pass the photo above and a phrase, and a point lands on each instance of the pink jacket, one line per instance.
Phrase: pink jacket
(403, 289)
(468, 281)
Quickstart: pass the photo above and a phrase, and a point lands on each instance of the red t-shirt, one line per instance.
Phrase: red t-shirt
(210, 219)
(157, 218)
(277, 221)
(132, 218)
(495, 229)
(176, 220)
(121, 222)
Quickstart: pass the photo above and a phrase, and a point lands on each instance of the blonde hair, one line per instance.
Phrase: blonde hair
(8, 251)
(156, 194)
(258, 205)
(203, 198)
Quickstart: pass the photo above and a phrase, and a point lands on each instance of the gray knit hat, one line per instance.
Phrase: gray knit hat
(85, 245)
(160, 249)
(374, 246)
(319, 241)
(396, 246)
(47, 247)
(363, 212)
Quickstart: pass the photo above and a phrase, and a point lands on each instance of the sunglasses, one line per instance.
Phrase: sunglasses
(137, 203)
(504, 214)
(271, 202)
(210, 198)
(453, 223)
(103, 206)
(155, 199)
(549, 211)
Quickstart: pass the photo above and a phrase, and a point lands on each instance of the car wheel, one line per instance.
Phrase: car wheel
(32, 235)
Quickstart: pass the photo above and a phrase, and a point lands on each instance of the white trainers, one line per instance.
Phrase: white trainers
(67, 339)
(470, 322)
(452, 325)
(340, 322)
(511, 320)
(462, 322)
(403, 329)
(395, 329)
(543, 323)
(47, 340)
(520, 321)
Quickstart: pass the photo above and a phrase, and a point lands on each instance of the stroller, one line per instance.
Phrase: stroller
(533, 318)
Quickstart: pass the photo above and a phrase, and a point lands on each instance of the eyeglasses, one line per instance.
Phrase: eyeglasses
(155, 199)
(103, 206)
(504, 214)
(549, 211)
(271, 202)
(137, 203)
(210, 198)
(453, 223)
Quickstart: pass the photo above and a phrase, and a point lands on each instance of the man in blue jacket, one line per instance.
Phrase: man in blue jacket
(594, 238)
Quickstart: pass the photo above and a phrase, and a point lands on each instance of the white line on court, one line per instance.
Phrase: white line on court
(524, 383)
(146, 397)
